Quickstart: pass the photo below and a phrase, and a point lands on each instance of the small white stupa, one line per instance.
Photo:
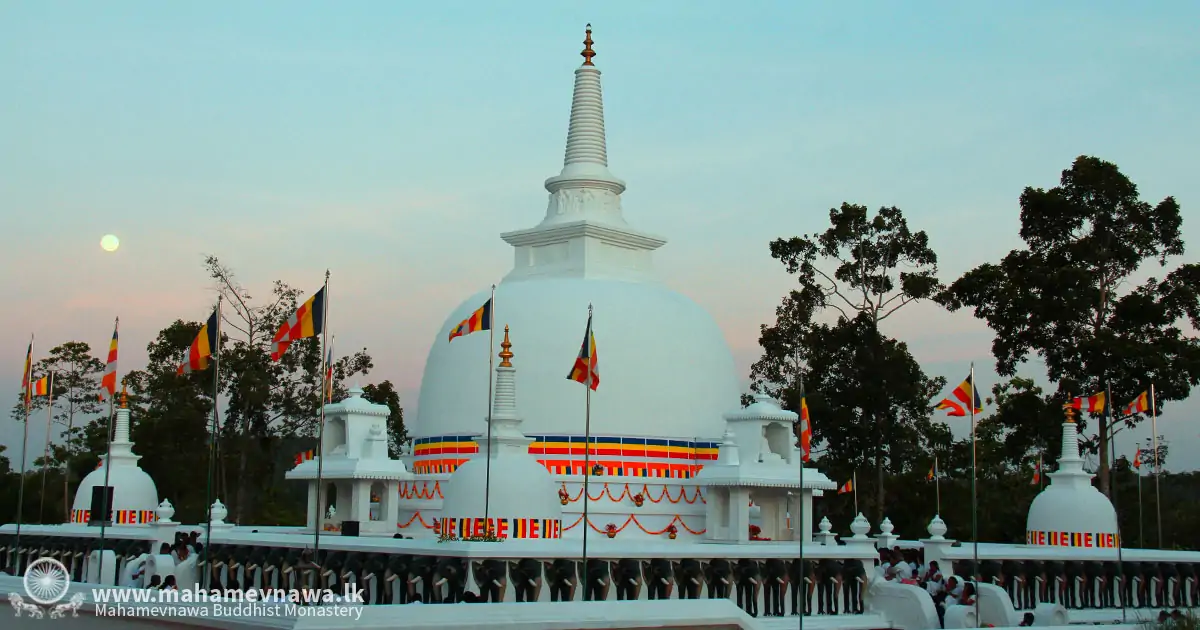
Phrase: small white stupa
(357, 466)
(521, 500)
(134, 497)
(1071, 512)
(759, 462)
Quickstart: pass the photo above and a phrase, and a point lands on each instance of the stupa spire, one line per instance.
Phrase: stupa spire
(584, 233)
(585, 164)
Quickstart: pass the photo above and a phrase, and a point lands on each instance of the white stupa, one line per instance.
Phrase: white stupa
(134, 495)
(1071, 512)
(522, 501)
(668, 371)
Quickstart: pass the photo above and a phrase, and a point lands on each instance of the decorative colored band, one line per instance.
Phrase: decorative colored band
(1072, 539)
(652, 448)
(659, 470)
(503, 527)
(123, 517)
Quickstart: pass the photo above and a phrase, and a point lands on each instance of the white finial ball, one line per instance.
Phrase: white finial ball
(165, 511)
(886, 526)
(937, 527)
(860, 525)
(825, 526)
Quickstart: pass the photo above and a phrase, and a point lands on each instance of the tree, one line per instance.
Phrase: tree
(76, 385)
(267, 399)
(385, 394)
(862, 269)
(1061, 297)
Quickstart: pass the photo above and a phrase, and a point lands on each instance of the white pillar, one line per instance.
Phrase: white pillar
(739, 514)
(313, 502)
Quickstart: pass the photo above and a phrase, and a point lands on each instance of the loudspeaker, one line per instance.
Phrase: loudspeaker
(100, 512)
(349, 528)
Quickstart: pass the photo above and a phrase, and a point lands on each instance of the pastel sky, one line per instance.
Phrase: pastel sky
(392, 142)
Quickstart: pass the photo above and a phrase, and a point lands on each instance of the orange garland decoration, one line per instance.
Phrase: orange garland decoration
(645, 492)
(633, 520)
(417, 517)
(408, 492)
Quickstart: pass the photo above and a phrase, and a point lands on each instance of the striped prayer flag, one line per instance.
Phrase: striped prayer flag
(40, 387)
(108, 382)
(28, 374)
(202, 347)
(1094, 403)
(478, 321)
(1141, 404)
(586, 370)
(307, 321)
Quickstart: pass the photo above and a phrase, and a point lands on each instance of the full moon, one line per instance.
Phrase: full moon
(110, 243)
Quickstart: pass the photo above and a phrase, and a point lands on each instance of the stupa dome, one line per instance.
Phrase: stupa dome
(134, 495)
(666, 369)
(522, 501)
(1071, 512)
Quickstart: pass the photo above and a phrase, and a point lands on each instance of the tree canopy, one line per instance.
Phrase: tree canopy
(1068, 297)
(869, 398)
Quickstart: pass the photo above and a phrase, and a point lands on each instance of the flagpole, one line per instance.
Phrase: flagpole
(321, 425)
(854, 487)
(212, 447)
(1112, 443)
(974, 493)
(27, 400)
(46, 452)
(106, 504)
(1154, 435)
(487, 471)
(937, 485)
(1141, 524)
(587, 453)
(105, 511)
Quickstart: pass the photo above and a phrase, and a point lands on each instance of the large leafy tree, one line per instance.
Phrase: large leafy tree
(267, 399)
(860, 271)
(1067, 298)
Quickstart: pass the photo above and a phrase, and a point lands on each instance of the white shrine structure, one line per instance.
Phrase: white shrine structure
(355, 469)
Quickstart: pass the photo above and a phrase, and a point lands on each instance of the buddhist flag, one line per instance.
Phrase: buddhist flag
(1141, 404)
(202, 347)
(307, 321)
(108, 382)
(585, 370)
(1094, 404)
(40, 387)
(966, 391)
(805, 428)
(847, 487)
(1037, 472)
(952, 408)
(1137, 459)
(25, 378)
(481, 319)
(932, 471)
(304, 456)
